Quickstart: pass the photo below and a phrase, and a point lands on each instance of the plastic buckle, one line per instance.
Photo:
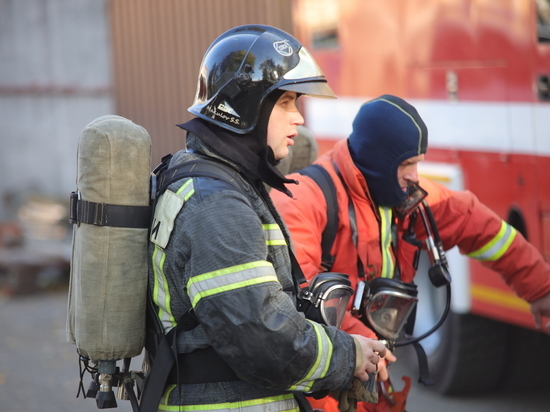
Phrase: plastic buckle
(73, 207)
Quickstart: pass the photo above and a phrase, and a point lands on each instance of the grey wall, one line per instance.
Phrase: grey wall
(55, 77)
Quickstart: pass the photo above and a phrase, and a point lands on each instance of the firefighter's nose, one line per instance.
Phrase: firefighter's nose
(412, 174)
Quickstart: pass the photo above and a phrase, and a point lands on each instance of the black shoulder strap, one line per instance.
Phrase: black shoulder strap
(324, 181)
(196, 168)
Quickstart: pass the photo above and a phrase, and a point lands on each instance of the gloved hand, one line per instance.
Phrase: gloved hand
(359, 392)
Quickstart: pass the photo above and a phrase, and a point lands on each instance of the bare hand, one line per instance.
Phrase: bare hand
(373, 351)
(383, 373)
(540, 308)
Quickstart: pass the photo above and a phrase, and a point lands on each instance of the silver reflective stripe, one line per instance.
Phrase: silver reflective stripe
(230, 278)
(320, 367)
(281, 403)
(495, 248)
(166, 211)
(385, 240)
(273, 235)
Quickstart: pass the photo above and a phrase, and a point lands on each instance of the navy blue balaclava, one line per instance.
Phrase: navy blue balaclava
(386, 131)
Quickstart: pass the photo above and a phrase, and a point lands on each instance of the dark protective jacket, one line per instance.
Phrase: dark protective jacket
(225, 254)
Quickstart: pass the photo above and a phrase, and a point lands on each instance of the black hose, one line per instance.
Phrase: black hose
(437, 325)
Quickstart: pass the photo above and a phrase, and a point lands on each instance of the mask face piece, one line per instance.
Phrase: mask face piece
(415, 195)
(388, 311)
(326, 300)
(334, 304)
(387, 306)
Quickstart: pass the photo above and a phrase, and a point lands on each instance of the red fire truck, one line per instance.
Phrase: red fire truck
(478, 72)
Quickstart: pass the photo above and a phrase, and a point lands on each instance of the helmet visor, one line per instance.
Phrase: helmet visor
(307, 78)
(313, 89)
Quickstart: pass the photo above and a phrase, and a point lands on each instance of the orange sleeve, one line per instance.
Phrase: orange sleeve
(466, 222)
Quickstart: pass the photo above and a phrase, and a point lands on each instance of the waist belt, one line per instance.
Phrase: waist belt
(201, 366)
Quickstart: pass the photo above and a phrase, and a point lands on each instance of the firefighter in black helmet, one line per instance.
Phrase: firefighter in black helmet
(243, 66)
(220, 255)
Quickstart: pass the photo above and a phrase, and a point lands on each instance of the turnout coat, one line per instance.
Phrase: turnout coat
(224, 254)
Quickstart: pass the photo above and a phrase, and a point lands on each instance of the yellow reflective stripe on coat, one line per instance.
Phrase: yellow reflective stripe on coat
(231, 278)
(497, 246)
(166, 212)
(281, 403)
(385, 242)
(273, 235)
(161, 292)
(322, 362)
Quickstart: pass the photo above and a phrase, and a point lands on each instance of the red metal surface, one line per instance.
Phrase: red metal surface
(408, 49)
(404, 48)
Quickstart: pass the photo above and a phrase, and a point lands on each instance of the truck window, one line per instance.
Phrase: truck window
(543, 20)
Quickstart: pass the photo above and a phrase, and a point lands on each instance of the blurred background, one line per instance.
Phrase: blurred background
(477, 71)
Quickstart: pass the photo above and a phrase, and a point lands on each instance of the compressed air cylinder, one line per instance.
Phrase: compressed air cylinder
(108, 281)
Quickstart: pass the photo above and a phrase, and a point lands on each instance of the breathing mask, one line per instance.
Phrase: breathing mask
(386, 304)
(415, 196)
(326, 299)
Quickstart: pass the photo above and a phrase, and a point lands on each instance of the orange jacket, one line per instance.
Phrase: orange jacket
(462, 221)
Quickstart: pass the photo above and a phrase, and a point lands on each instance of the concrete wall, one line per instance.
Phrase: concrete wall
(55, 77)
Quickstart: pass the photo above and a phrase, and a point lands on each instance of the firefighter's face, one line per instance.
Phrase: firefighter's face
(283, 121)
(408, 171)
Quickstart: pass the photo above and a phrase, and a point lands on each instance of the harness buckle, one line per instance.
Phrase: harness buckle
(73, 207)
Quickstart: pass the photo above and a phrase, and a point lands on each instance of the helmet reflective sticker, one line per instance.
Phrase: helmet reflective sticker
(225, 107)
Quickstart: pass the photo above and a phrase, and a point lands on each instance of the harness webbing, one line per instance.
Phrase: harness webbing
(105, 214)
(320, 176)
